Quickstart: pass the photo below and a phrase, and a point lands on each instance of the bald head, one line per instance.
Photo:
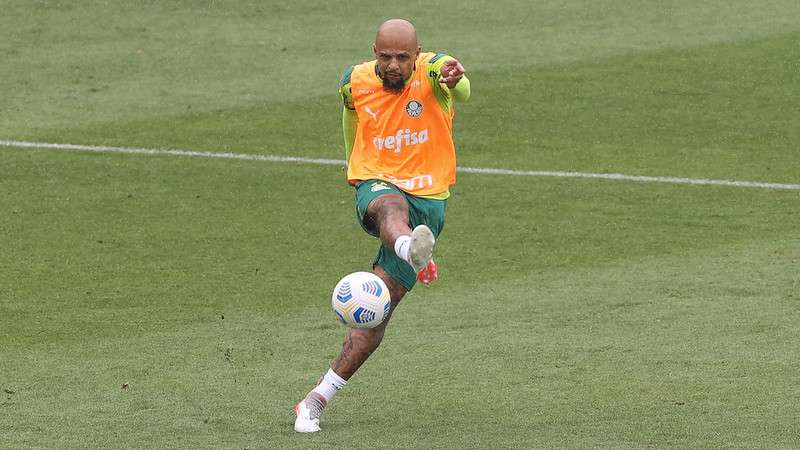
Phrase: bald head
(396, 33)
(396, 50)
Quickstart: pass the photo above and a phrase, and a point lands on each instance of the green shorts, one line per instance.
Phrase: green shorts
(420, 210)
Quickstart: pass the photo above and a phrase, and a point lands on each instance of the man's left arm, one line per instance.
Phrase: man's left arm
(452, 76)
(461, 91)
(449, 80)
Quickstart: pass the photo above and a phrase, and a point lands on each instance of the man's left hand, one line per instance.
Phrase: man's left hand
(451, 73)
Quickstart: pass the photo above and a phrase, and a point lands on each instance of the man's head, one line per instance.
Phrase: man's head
(396, 50)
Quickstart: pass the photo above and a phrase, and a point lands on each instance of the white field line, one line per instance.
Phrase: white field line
(320, 161)
(170, 152)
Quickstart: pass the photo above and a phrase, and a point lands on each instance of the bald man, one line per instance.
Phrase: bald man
(398, 121)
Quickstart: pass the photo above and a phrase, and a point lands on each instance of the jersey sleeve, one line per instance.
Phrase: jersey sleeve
(349, 117)
(345, 90)
(349, 129)
(461, 92)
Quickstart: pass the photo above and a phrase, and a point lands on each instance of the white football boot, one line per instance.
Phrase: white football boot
(308, 411)
(420, 251)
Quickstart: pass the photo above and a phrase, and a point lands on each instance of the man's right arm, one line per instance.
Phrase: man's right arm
(349, 116)
(349, 127)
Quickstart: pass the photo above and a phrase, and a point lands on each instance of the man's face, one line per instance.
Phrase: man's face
(395, 65)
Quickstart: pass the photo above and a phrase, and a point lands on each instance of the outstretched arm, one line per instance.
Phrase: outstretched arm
(452, 75)
(449, 80)
(451, 72)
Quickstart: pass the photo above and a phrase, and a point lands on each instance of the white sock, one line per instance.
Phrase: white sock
(330, 385)
(401, 246)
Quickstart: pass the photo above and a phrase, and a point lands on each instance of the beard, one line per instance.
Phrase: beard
(394, 86)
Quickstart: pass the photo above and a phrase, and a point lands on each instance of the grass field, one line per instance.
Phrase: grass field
(176, 302)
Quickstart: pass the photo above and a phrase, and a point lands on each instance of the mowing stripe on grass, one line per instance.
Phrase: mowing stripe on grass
(321, 161)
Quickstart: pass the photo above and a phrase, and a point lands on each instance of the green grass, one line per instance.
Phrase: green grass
(571, 313)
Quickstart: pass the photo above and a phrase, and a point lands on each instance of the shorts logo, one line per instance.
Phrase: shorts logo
(379, 187)
(414, 108)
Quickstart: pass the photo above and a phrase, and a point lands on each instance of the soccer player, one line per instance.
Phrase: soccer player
(398, 121)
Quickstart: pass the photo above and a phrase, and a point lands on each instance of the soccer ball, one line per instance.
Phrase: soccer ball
(361, 300)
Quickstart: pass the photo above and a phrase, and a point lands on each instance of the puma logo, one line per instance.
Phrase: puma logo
(371, 113)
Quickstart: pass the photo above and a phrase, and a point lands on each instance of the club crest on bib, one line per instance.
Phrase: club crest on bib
(414, 108)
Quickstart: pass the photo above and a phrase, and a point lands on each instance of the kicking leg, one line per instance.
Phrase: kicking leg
(389, 213)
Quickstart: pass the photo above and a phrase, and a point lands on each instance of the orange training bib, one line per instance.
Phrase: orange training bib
(403, 138)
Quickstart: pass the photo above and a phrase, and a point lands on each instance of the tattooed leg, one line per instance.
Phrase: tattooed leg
(360, 343)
